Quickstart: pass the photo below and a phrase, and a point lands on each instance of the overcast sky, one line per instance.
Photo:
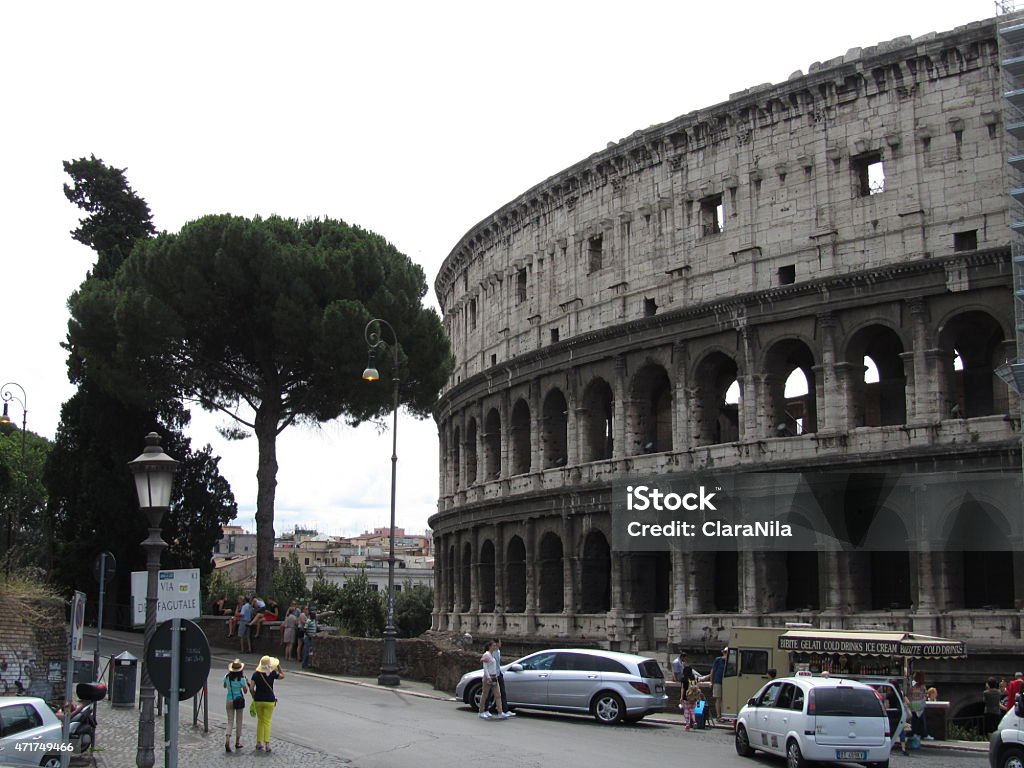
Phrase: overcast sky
(414, 120)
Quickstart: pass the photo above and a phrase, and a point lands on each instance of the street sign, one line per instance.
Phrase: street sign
(104, 567)
(177, 596)
(77, 622)
(194, 655)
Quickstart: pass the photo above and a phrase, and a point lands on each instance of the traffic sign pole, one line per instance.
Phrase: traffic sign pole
(171, 756)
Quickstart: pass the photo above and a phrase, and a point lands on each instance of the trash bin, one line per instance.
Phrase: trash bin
(123, 674)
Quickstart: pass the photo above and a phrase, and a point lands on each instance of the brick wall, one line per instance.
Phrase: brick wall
(33, 647)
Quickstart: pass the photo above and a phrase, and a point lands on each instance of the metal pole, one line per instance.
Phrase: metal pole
(389, 663)
(99, 616)
(154, 545)
(171, 747)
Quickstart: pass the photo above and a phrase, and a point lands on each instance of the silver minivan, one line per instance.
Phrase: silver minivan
(611, 686)
(808, 719)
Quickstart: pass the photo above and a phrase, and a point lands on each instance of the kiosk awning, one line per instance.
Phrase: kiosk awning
(854, 643)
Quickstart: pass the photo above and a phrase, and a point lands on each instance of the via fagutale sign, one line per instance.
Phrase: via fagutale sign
(177, 595)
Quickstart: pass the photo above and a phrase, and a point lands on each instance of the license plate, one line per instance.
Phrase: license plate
(851, 754)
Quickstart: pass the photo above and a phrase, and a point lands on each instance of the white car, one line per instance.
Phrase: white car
(806, 719)
(30, 734)
(1006, 744)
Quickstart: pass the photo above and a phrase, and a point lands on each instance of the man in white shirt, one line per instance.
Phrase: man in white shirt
(490, 680)
(496, 653)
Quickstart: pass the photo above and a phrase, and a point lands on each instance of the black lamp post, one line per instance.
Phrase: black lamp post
(8, 395)
(389, 661)
(154, 478)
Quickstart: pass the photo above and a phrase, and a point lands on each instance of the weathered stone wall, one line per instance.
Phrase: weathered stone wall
(33, 647)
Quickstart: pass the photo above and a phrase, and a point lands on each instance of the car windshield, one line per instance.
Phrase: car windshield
(856, 702)
(650, 668)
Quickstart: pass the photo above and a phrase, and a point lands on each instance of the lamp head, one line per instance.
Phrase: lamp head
(371, 373)
(5, 419)
(154, 474)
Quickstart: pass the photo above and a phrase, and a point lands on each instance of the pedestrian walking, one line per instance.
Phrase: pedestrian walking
(288, 634)
(264, 698)
(307, 646)
(717, 681)
(490, 680)
(244, 618)
(237, 687)
(496, 653)
(918, 697)
(993, 712)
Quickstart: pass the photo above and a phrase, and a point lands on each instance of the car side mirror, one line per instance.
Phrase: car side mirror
(1018, 705)
(751, 701)
(515, 668)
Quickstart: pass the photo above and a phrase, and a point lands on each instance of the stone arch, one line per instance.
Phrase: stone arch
(715, 420)
(456, 457)
(890, 568)
(881, 403)
(725, 594)
(981, 575)
(650, 410)
(492, 445)
(487, 593)
(648, 581)
(972, 388)
(554, 434)
(466, 577)
(790, 414)
(515, 576)
(802, 586)
(520, 430)
(551, 574)
(471, 458)
(597, 413)
(596, 587)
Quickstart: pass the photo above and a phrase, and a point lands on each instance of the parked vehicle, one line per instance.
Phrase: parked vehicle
(1006, 744)
(28, 732)
(609, 685)
(807, 719)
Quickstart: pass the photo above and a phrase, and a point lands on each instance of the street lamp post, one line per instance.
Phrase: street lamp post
(389, 660)
(154, 478)
(8, 395)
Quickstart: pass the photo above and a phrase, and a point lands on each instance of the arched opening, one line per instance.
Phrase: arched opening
(552, 574)
(449, 572)
(726, 593)
(971, 387)
(466, 568)
(492, 445)
(881, 402)
(801, 563)
(649, 579)
(888, 562)
(716, 419)
(520, 429)
(651, 416)
(456, 457)
(554, 438)
(598, 409)
(487, 577)
(791, 407)
(596, 592)
(986, 572)
(515, 573)
(471, 452)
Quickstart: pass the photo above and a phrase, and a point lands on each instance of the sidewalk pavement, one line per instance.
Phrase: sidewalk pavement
(117, 734)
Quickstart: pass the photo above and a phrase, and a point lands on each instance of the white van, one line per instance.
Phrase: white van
(1006, 744)
(808, 719)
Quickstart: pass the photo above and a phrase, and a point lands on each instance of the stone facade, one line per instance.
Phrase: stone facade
(649, 309)
(33, 647)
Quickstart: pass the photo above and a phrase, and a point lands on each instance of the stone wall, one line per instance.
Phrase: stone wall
(33, 648)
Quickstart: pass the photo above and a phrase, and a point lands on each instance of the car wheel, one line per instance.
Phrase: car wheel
(1011, 757)
(794, 757)
(884, 764)
(473, 696)
(743, 748)
(50, 761)
(608, 708)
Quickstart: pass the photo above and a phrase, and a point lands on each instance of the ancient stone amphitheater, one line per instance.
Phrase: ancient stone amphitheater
(811, 275)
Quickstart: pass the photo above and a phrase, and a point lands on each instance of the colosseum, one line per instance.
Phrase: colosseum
(811, 276)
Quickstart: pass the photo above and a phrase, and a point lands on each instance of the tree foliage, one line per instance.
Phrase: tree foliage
(360, 610)
(22, 498)
(91, 502)
(289, 582)
(263, 320)
(413, 609)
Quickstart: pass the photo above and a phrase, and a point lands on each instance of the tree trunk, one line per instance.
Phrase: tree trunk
(267, 418)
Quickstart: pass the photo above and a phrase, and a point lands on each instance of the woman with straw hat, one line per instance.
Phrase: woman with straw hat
(264, 698)
(237, 687)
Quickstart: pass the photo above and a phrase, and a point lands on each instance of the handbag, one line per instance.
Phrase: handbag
(252, 708)
(239, 702)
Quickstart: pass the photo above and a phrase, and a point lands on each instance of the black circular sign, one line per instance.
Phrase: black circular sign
(194, 654)
(104, 567)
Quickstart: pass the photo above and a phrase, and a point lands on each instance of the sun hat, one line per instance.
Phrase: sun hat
(236, 666)
(268, 664)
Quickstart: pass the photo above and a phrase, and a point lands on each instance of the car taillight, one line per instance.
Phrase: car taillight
(642, 687)
(810, 702)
